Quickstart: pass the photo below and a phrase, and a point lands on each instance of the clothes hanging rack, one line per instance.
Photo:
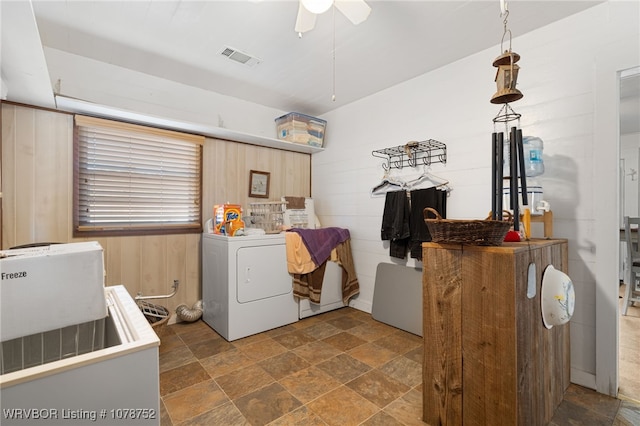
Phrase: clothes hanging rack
(412, 154)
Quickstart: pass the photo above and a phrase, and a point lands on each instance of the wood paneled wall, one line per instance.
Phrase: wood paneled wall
(37, 173)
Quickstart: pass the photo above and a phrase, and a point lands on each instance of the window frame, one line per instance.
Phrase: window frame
(84, 230)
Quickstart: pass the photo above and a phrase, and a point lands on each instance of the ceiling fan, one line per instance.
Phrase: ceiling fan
(356, 11)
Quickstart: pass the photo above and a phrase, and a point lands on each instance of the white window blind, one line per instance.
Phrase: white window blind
(136, 178)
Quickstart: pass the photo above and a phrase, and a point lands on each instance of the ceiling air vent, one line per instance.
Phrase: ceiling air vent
(241, 57)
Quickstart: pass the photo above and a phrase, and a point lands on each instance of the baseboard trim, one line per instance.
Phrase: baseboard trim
(582, 378)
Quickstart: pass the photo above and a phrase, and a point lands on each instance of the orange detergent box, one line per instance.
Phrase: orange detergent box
(227, 219)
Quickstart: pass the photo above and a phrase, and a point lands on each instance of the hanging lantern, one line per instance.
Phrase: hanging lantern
(507, 73)
(506, 78)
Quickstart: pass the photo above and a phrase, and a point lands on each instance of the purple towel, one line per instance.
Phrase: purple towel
(320, 242)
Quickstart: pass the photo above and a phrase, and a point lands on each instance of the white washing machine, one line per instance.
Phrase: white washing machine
(246, 288)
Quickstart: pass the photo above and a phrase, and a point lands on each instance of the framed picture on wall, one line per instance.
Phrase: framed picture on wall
(259, 184)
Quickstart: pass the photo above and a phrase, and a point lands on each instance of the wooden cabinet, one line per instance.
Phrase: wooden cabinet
(488, 358)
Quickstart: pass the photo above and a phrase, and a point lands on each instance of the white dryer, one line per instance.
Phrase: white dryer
(246, 288)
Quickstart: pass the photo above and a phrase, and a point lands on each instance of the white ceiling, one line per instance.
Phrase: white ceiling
(181, 41)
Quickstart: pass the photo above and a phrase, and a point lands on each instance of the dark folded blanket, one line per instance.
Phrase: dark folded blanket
(320, 242)
(350, 284)
(309, 286)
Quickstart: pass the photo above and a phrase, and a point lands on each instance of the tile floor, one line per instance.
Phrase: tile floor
(339, 368)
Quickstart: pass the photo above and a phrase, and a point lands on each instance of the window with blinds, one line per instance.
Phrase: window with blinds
(135, 180)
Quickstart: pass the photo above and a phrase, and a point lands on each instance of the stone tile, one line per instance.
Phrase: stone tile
(165, 420)
(321, 330)
(198, 334)
(165, 331)
(309, 384)
(372, 332)
(266, 404)
(407, 409)
(194, 400)
(225, 362)
(317, 351)
(190, 397)
(343, 368)
(263, 349)
(404, 370)
(416, 355)
(169, 342)
(360, 315)
(344, 322)
(378, 388)
(344, 341)
(254, 338)
(280, 330)
(176, 358)
(382, 419)
(182, 377)
(336, 313)
(181, 328)
(570, 413)
(244, 381)
(299, 417)
(343, 406)
(400, 342)
(307, 322)
(602, 404)
(209, 347)
(372, 354)
(226, 414)
(294, 339)
(284, 364)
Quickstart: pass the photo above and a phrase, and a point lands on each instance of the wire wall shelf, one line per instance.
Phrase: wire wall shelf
(413, 154)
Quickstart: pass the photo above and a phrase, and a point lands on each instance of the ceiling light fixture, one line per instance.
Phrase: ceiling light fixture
(317, 6)
(356, 11)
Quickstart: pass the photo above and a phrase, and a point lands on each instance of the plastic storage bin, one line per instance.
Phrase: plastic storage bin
(301, 128)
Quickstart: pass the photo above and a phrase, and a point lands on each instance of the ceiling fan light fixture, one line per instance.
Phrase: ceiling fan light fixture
(317, 6)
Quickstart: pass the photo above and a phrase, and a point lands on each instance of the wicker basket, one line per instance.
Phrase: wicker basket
(473, 232)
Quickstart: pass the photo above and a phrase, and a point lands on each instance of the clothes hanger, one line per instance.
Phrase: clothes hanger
(387, 184)
(436, 181)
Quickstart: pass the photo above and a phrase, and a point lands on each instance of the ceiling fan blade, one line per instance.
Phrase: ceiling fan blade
(305, 21)
(356, 11)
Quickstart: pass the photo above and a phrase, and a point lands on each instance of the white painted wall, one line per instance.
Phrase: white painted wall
(568, 71)
(75, 76)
